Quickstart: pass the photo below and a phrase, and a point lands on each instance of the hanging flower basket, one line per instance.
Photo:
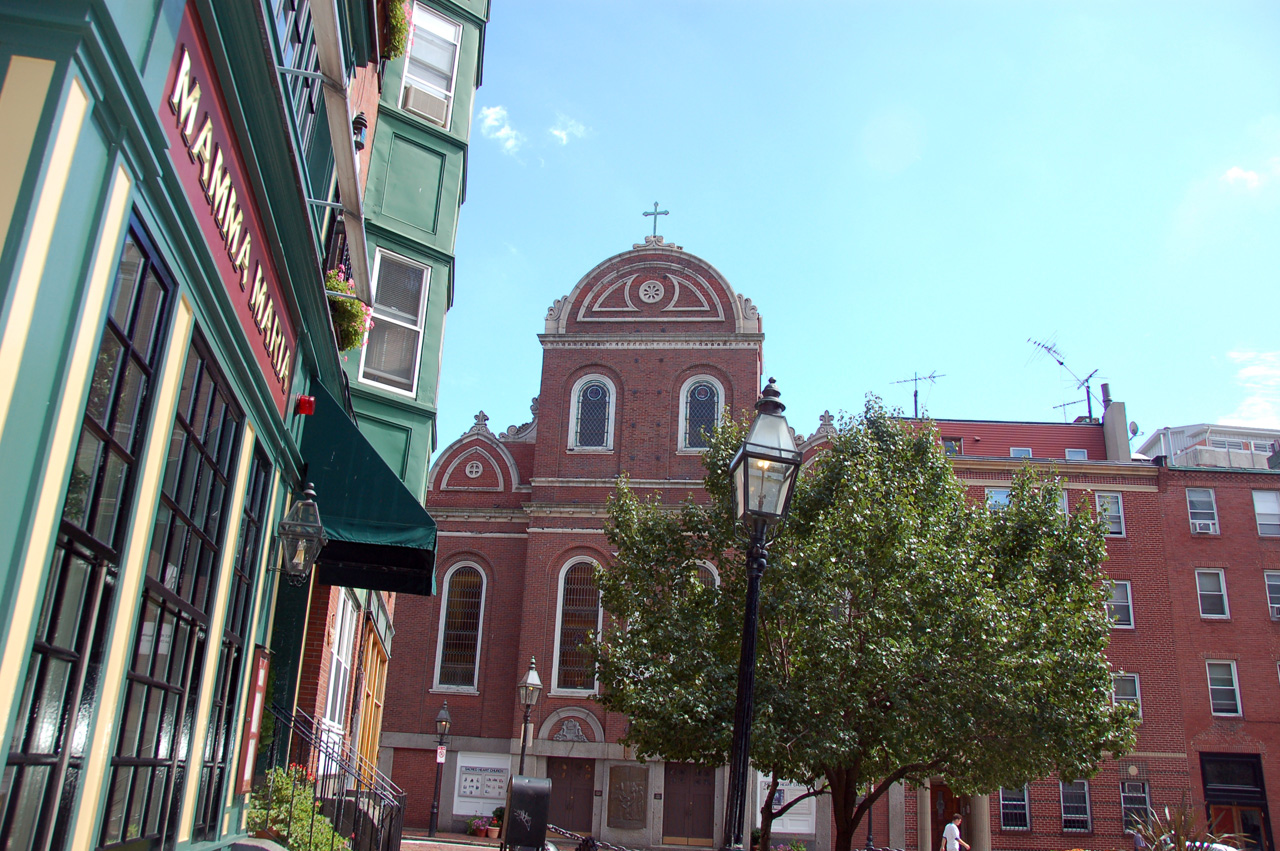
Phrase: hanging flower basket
(351, 318)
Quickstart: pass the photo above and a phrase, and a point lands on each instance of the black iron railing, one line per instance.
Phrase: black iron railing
(318, 793)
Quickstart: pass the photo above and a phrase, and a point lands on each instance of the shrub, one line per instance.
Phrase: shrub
(397, 31)
(285, 806)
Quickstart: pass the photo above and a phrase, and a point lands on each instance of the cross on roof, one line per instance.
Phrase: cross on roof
(656, 212)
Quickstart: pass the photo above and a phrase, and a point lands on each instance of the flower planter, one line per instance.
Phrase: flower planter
(492, 832)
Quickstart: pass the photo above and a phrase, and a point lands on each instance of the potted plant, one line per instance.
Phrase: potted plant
(495, 825)
(351, 318)
(478, 825)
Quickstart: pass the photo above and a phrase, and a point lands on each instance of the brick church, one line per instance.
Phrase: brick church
(649, 348)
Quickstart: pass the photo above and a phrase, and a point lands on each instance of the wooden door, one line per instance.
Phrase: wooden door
(573, 789)
(373, 693)
(688, 805)
(943, 805)
(1247, 823)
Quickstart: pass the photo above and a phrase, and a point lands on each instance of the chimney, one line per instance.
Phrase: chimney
(1115, 427)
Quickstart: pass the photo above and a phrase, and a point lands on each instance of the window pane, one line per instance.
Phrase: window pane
(398, 292)
(593, 414)
(579, 616)
(997, 498)
(1222, 688)
(1020, 452)
(952, 445)
(1273, 594)
(1200, 504)
(1077, 454)
(702, 411)
(1013, 809)
(391, 355)
(1120, 605)
(1110, 512)
(1266, 507)
(1135, 805)
(461, 628)
(1075, 805)
(1213, 596)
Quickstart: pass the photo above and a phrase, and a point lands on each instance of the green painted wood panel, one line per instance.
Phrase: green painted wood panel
(391, 440)
(413, 196)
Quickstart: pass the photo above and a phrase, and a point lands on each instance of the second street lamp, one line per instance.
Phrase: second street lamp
(443, 722)
(530, 687)
(764, 474)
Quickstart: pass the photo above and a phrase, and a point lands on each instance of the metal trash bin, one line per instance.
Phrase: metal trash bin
(524, 825)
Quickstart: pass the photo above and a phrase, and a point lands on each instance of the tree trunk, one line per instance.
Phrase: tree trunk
(844, 806)
(766, 816)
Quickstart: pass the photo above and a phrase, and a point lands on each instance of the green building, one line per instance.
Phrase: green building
(177, 178)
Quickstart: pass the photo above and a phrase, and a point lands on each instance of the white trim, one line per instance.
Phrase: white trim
(1083, 456)
(1026, 809)
(1015, 452)
(444, 610)
(711, 567)
(1062, 807)
(681, 446)
(1235, 688)
(420, 327)
(1137, 690)
(1129, 599)
(1222, 585)
(1257, 517)
(1097, 504)
(463, 456)
(573, 413)
(556, 690)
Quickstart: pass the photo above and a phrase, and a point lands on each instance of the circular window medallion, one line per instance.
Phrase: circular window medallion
(595, 392)
(702, 392)
(474, 469)
(650, 291)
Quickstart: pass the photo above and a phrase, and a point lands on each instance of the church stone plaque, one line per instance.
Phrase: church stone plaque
(628, 794)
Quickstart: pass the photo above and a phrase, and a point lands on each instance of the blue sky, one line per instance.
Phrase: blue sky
(899, 187)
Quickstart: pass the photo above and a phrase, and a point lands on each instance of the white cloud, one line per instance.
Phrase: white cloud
(1259, 377)
(566, 127)
(1236, 174)
(494, 125)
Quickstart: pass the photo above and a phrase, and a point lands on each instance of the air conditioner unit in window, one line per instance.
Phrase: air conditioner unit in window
(1275, 612)
(1204, 527)
(426, 104)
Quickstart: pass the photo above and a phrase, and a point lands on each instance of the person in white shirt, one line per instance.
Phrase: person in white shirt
(951, 840)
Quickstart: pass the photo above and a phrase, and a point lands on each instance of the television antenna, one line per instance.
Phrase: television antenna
(1052, 351)
(915, 380)
(1066, 405)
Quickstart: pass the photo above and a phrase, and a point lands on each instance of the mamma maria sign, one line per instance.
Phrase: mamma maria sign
(209, 164)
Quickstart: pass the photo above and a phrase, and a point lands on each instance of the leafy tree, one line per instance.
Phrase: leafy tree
(905, 633)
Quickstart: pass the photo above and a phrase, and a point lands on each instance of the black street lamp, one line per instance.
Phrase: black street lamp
(302, 537)
(530, 687)
(764, 472)
(442, 727)
(871, 843)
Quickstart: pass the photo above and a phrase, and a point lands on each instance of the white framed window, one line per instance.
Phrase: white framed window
(1272, 578)
(592, 402)
(1076, 817)
(1064, 503)
(393, 349)
(1263, 446)
(578, 621)
(1014, 812)
(1120, 606)
(1019, 451)
(461, 626)
(1125, 689)
(701, 403)
(1223, 443)
(708, 575)
(952, 446)
(1135, 804)
(997, 498)
(1224, 697)
(1211, 588)
(1111, 512)
(431, 66)
(1077, 454)
(1202, 510)
(341, 649)
(1266, 510)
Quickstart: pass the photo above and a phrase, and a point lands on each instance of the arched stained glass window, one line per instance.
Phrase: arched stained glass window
(593, 414)
(579, 618)
(708, 577)
(701, 414)
(461, 642)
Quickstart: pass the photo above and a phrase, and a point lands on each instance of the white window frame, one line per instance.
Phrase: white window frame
(682, 448)
(1126, 807)
(1258, 515)
(341, 649)
(1010, 804)
(1271, 580)
(556, 690)
(715, 573)
(1222, 585)
(1137, 690)
(1098, 498)
(1088, 807)
(610, 425)
(1001, 505)
(444, 608)
(959, 444)
(1235, 687)
(1020, 452)
(1128, 593)
(1203, 525)
(1077, 454)
(418, 83)
(420, 327)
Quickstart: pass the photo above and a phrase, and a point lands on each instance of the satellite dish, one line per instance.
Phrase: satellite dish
(1133, 428)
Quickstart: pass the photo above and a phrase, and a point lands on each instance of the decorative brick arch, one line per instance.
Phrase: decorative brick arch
(554, 724)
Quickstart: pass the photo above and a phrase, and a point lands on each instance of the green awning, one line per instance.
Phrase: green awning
(380, 536)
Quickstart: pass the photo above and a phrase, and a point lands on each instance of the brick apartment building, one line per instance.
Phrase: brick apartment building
(649, 346)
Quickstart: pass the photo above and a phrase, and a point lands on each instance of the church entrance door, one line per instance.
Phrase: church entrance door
(573, 787)
(943, 805)
(688, 805)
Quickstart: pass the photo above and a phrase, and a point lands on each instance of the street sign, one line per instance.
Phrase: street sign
(440, 752)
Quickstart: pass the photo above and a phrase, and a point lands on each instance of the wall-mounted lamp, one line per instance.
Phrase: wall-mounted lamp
(302, 537)
(359, 125)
